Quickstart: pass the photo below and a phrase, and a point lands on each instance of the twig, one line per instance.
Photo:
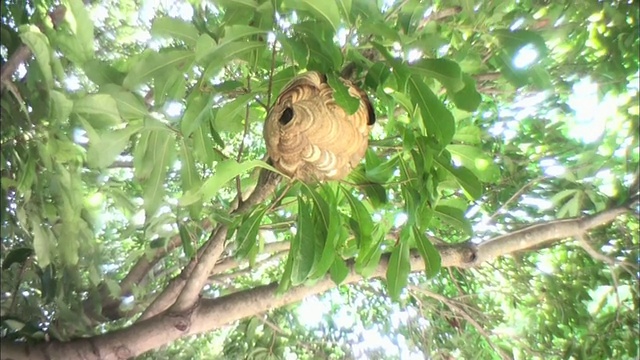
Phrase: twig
(456, 309)
(244, 139)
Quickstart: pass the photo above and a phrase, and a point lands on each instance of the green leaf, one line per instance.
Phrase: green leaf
(231, 116)
(81, 25)
(159, 153)
(325, 10)
(224, 172)
(361, 222)
(130, 106)
(377, 75)
(197, 112)
(332, 231)
(222, 54)
(558, 198)
(437, 120)
(476, 160)
(383, 172)
(175, 29)
(297, 50)
(447, 72)
(454, 217)
(303, 257)
(399, 267)
(39, 46)
(203, 145)
(236, 32)
(248, 232)
(468, 98)
(341, 94)
(16, 256)
(100, 110)
(42, 243)
(169, 85)
(102, 73)
(189, 176)
(60, 108)
(345, 8)
(429, 253)
(152, 63)
(470, 134)
(339, 271)
(109, 146)
(463, 176)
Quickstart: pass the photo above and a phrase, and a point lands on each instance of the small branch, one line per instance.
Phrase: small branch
(458, 310)
(242, 142)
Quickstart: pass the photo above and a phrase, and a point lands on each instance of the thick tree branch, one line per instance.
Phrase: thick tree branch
(211, 314)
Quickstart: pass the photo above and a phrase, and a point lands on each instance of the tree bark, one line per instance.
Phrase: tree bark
(210, 314)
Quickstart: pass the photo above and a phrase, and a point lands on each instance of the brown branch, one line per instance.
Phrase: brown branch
(459, 310)
(211, 314)
(23, 53)
(540, 234)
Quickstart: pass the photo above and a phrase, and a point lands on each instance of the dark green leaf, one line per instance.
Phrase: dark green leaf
(429, 253)
(248, 232)
(467, 98)
(341, 94)
(16, 256)
(454, 217)
(399, 267)
(187, 241)
(447, 72)
(303, 258)
(437, 119)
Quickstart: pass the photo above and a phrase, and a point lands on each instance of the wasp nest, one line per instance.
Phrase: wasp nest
(309, 137)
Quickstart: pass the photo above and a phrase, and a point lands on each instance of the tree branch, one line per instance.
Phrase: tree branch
(210, 314)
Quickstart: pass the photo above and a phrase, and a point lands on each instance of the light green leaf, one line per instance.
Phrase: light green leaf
(325, 10)
(236, 32)
(81, 25)
(463, 176)
(42, 243)
(447, 72)
(230, 116)
(60, 108)
(175, 29)
(361, 222)
(221, 54)
(198, 112)
(100, 110)
(154, 63)
(159, 153)
(476, 160)
(224, 172)
(39, 46)
(110, 145)
(101, 72)
(470, 134)
(130, 106)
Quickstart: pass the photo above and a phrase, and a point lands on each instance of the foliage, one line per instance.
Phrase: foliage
(122, 137)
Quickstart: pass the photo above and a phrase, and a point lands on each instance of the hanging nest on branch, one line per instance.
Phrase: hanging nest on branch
(310, 137)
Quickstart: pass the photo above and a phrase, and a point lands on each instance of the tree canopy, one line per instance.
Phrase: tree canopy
(494, 216)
